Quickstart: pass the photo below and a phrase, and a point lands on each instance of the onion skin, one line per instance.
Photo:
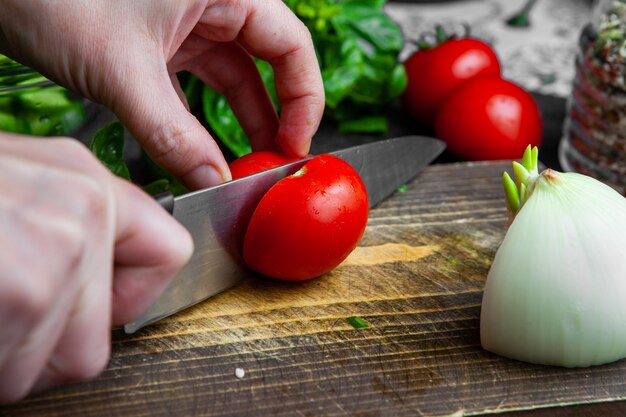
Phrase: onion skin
(556, 291)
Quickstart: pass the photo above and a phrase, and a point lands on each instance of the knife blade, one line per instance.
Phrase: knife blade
(217, 217)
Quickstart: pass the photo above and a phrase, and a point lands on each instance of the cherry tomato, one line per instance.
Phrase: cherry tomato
(257, 161)
(489, 119)
(434, 73)
(309, 222)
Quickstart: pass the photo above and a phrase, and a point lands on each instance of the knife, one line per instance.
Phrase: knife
(217, 217)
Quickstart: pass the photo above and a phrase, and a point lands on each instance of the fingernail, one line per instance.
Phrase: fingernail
(206, 176)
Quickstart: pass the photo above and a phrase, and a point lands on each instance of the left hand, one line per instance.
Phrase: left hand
(125, 55)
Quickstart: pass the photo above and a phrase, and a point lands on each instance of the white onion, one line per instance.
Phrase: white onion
(556, 291)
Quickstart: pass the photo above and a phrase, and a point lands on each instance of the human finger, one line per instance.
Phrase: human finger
(229, 69)
(150, 247)
(149, 106)
(273, 33)
(270, 31)
(83, 347)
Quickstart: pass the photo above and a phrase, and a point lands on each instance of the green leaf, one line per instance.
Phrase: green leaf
(9, 123)
(527, 158)
(534, 157)
(72, 117)
(161, 178)
(223, 121)
(192, 88)
(339, 84)
(48, 99)
(267, 75)
(358, 53)
(397, 82)
(357, 322)
(157, 187)
(520, 173)
(511, 193)
(6, 103)
(373, 25)
(371, 124)
(108, 146)
(221, 118)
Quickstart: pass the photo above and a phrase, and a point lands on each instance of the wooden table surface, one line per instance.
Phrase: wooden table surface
(416, 278)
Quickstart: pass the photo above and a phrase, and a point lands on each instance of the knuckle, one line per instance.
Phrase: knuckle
(72, 238)
(170, 142)
(29, 300)
(227, 19)
(93, 199)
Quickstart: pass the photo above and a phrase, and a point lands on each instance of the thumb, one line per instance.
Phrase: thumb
(154, 114)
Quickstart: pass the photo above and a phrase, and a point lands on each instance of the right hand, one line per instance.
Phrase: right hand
(80, 250)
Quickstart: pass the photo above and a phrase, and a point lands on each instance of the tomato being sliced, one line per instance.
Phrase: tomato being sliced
(309, 222)
(489, 119)
(257, 161)
(434, 73)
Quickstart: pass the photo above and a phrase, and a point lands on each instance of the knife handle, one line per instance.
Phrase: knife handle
(166, 200)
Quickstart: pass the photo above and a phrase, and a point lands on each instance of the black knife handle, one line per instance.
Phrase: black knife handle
(166, 200)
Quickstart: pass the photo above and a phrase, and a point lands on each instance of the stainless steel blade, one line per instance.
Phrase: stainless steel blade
(386, 165)
(217, 217)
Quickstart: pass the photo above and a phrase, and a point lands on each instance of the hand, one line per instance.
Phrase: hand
(126, 54)
(63, 218)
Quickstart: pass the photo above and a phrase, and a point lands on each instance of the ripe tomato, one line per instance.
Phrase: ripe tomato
(309, 222)
(434, 73)
(257, 161)
(489, 119)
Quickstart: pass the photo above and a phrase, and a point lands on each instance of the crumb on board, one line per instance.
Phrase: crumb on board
(240, 373)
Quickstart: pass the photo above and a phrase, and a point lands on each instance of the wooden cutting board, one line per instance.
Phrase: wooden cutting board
(416, 278)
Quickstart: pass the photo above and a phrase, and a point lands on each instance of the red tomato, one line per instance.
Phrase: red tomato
(257, 161)
(489, 118)
(434, 73)
(309, 222)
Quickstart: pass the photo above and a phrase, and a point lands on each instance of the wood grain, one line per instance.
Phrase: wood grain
(416, 278)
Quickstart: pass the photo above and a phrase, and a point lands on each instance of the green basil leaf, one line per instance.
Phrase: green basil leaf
(7, 103)
(44, 100)
(371, 24)
(108, 146)
(267, 75)
(9, 123)
(221, 118)
(192, 88)
(375, 4)
(339, 83)
(371, 124)
(397, 82)
(157, 187)
(223, 121)
(71, 117)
